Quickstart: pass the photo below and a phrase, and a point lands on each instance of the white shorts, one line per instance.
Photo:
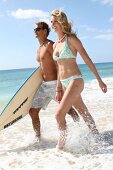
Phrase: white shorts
(45, 94)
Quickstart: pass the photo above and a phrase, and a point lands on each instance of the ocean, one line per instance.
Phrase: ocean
(11, 80)
(19, 149)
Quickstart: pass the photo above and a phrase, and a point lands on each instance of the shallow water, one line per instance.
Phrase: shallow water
(20, 150)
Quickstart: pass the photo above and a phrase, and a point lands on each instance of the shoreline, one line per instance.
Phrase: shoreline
(19, 148)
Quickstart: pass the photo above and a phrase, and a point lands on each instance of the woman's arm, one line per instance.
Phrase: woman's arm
(88, 61)
(59, 89)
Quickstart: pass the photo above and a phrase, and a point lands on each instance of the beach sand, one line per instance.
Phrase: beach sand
(19, 148)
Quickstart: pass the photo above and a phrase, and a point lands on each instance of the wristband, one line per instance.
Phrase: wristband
(58, 90)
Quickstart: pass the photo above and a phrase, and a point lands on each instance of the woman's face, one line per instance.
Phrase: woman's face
(55, 24)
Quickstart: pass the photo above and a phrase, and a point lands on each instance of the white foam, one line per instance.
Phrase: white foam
(20, 150)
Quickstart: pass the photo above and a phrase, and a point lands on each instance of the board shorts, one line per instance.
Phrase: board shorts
(45, 94)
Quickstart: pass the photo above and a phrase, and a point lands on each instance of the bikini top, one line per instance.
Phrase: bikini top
(65, 52)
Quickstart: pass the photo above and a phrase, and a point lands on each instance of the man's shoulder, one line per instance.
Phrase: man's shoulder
(50, 42)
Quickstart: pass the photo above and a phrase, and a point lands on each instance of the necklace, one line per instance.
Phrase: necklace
(59, 40)
(43, 43)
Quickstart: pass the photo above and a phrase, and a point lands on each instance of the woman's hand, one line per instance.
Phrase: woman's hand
(59, 95)
(103, 86)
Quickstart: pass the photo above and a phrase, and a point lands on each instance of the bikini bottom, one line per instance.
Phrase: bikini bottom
(65, 82)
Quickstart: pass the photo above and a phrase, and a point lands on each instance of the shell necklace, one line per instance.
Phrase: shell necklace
(43, 43)
(59, 40)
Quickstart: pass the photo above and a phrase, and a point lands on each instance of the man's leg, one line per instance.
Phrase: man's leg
(34, 114)
(72, 112)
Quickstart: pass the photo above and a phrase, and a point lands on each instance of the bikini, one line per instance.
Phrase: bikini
(66, 53)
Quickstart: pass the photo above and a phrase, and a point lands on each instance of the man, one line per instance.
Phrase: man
(47, 92)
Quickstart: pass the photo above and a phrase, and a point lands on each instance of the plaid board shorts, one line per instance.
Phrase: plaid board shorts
(45, 94)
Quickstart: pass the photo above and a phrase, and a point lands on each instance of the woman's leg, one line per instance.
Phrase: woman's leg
(72, 112)
(83, 111)
(70, 97)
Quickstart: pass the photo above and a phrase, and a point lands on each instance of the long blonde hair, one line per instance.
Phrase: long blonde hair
(62, 19)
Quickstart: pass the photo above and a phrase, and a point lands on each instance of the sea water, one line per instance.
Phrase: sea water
(11, 80)
(19, 150)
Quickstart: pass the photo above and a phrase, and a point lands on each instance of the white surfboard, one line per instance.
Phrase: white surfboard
(21, 102)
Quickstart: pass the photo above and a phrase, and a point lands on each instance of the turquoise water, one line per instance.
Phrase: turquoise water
(11, 80)
(105, 70)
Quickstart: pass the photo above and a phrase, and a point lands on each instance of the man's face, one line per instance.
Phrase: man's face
(38, 31)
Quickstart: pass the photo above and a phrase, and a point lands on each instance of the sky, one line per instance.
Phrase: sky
(92, 21)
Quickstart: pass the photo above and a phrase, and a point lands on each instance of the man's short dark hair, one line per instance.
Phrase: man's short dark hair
(44, 25)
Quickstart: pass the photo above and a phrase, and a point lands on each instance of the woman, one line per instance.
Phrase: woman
(69, 75)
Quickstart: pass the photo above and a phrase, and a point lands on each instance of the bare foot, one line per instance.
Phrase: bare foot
(37, 130)
(62, 139)
(95, 132)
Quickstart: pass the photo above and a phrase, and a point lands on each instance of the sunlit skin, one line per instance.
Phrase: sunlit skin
(76, 46)
(44, 57)
(67, 68)
(49, 73)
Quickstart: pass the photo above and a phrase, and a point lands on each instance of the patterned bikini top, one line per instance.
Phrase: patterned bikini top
(65, 52)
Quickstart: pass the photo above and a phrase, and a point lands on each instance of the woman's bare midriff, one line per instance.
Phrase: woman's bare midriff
(68, 68)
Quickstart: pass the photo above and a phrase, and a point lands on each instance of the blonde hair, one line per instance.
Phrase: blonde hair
(62, 19)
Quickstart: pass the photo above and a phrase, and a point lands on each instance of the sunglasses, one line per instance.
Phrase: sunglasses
(38, 29)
